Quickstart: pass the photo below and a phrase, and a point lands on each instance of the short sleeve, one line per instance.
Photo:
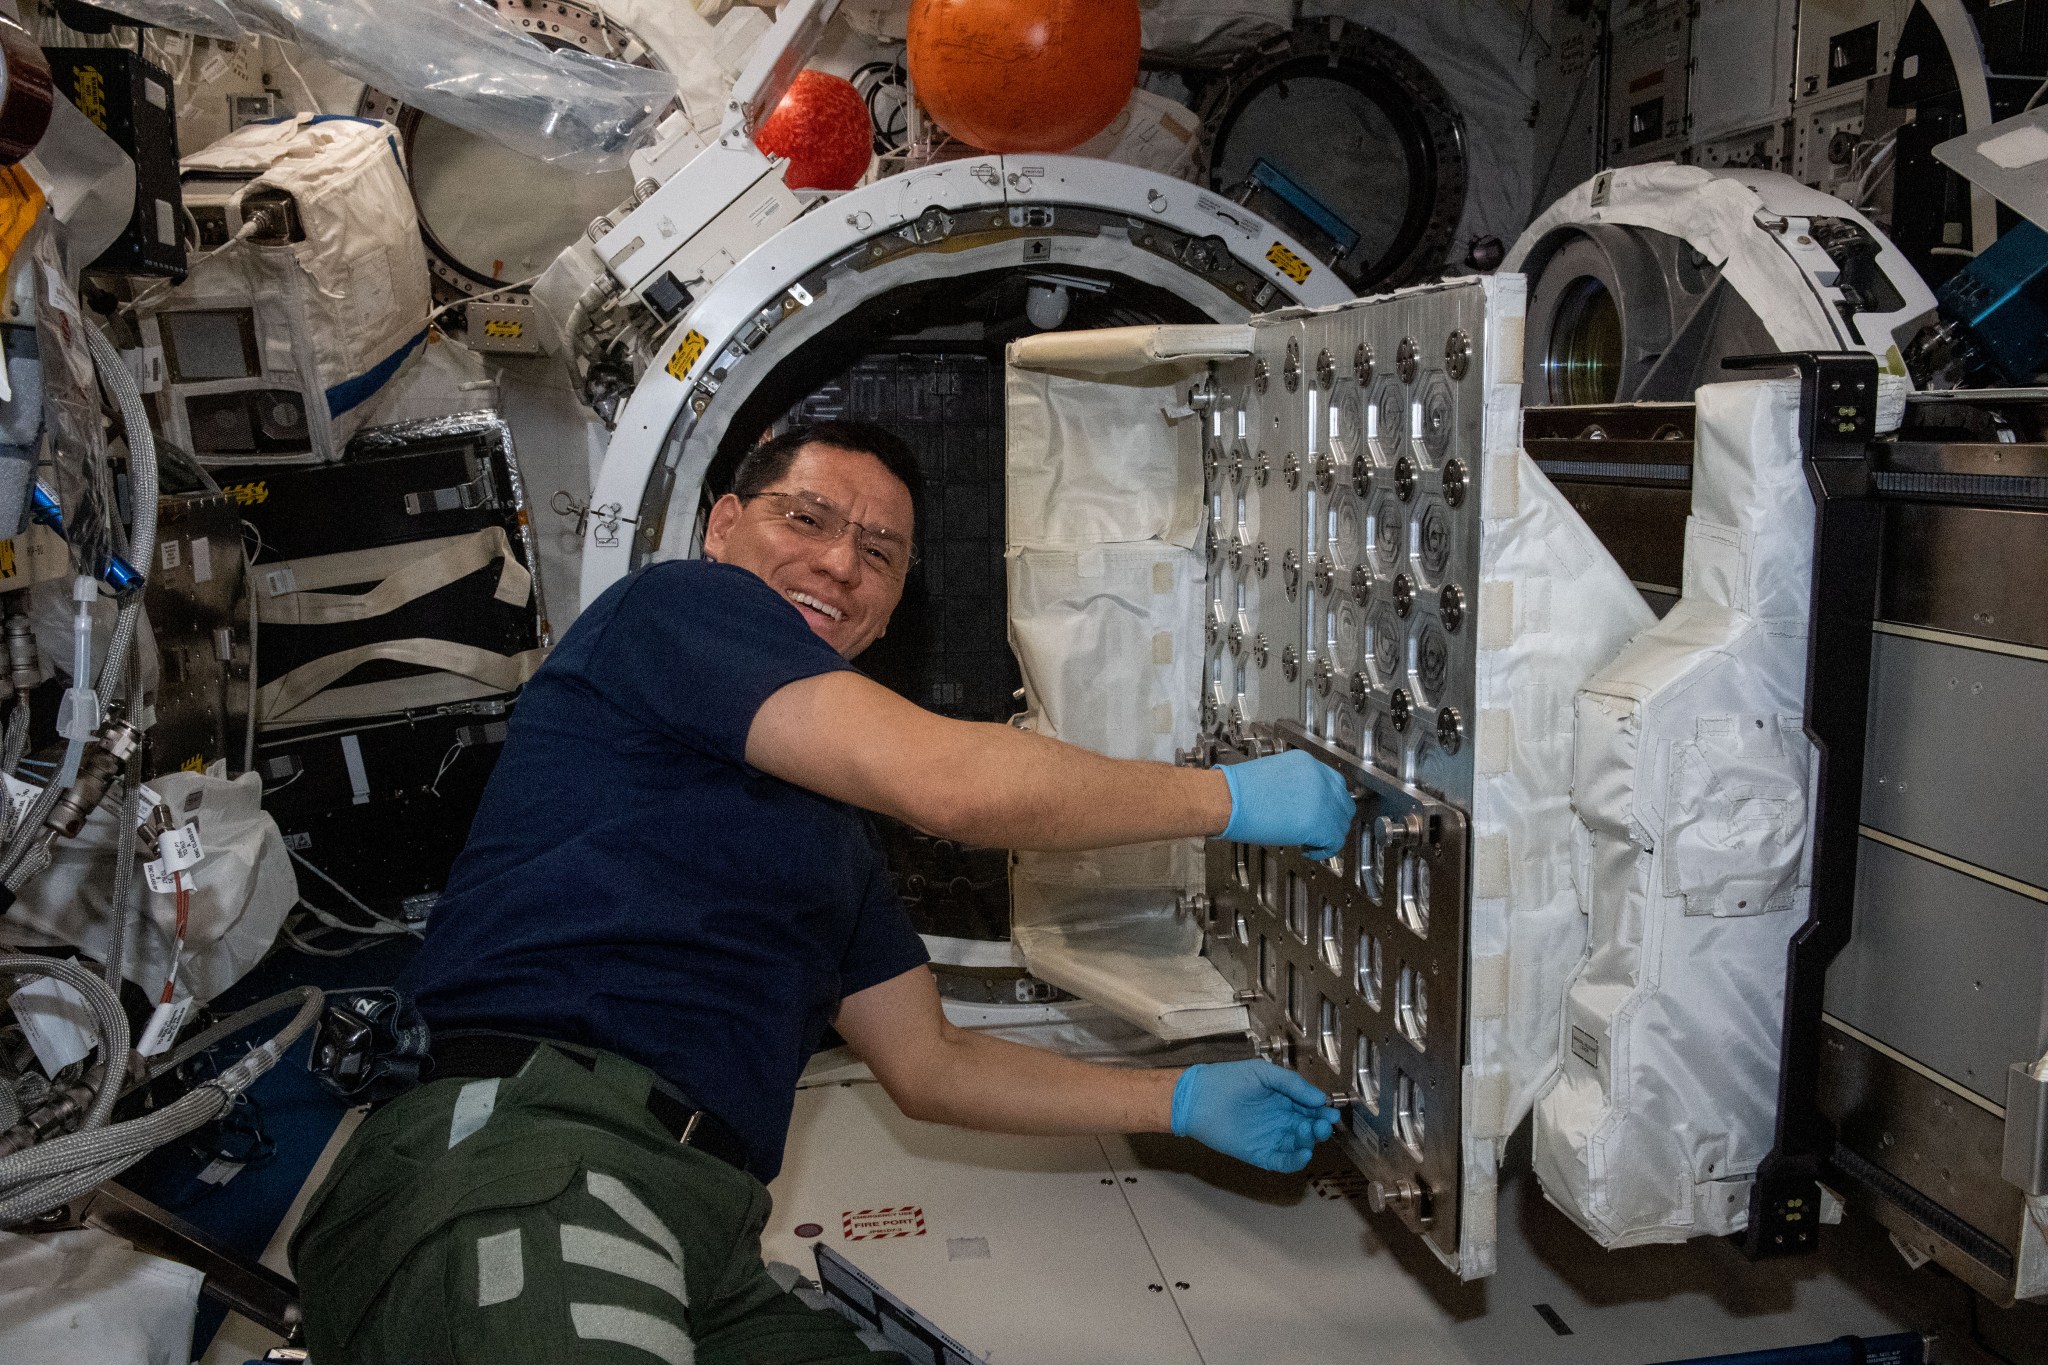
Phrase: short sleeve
(693, 649)
(885, 944)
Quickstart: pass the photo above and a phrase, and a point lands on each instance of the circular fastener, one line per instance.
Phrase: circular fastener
(1450, 605)
(1361, 690)
(1290, 664)
(1323, 575)
(1380, 1196)
(1237, 469)
(1326, 369)
(1290, 471)
(1262, 469)
(1404, 595)
(1456, 480)
(1260, 374)
(1209, 547)
(1212, 463)
(1321, 675)
(1290, 369)
(1404, 478)
(1361, 583)
(1361, 476)
(1458, 353)
(1290, 572)
(1399, 708)
(1260, 650)
(1450, 729)
(1236, 638)
(1208, 713)
(1326, 474)
(1407, 360)
(1259, 559)
(1210, 629)
(1361, 363)
(1237, 551)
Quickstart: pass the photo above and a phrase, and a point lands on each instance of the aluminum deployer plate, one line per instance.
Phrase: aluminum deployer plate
(1358, 968)
(1343, 464)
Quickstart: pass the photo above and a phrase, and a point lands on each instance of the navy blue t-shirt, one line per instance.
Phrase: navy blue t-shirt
(631, 884)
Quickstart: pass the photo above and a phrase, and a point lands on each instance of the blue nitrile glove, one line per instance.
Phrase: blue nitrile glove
(1254, 1111)
(1290, 798)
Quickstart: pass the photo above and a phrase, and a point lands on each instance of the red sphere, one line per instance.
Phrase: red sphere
(822, 126)
(1023, 75)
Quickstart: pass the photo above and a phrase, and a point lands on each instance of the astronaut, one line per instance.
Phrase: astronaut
(670, 893)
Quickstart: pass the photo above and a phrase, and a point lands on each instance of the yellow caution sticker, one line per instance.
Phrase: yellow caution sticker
(248, 494)
(505, 329)
(194, 764)
(1289, 264)
(6, 559)
(687, 354)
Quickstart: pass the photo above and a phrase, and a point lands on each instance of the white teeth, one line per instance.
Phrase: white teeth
(805, 599)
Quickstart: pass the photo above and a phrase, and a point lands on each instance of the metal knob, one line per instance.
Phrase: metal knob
(1381, 1196)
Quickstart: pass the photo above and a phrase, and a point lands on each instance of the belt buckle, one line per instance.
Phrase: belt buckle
(690, 1127)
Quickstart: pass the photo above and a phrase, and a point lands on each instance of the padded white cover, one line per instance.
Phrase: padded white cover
(1104, 499)
(335, 314)
(1691, 786)
(88, 1298)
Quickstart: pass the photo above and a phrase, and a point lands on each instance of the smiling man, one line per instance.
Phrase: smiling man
(669, 894)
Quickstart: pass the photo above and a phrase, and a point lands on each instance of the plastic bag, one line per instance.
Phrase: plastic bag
(456, 61)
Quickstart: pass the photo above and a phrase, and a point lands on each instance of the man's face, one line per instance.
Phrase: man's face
(842, 592)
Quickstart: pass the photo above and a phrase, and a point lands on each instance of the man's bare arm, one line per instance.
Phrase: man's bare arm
(847, 737)
(942, 1074)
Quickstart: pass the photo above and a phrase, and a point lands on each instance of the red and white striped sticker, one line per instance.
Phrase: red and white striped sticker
(870, 1225)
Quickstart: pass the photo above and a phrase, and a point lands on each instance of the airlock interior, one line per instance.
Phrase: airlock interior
(926, 361)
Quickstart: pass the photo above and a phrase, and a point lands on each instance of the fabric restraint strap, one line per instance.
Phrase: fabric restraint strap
(288, 594)
(465, 672)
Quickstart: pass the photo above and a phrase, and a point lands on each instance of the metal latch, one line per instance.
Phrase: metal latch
(480, 491)
(2026, 1126)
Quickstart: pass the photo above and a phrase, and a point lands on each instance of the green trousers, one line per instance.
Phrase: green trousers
(544, 1218)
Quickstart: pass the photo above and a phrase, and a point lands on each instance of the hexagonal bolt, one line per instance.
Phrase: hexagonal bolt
(1456, 481)
(1406, 360)
(1450, 604)
(1450, 729)
(1404, 595)
(1290, 664)
(1361, 363)
(1458, 353)
(1404, 478)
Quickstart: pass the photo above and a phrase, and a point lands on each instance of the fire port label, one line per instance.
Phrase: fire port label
(687, 354)
(1289, 264)
(874, 1225)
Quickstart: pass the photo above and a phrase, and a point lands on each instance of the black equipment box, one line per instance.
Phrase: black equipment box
(131, 101)
(382, 803)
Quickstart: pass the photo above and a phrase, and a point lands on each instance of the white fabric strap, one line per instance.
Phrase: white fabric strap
(403, 573)
(306, 694)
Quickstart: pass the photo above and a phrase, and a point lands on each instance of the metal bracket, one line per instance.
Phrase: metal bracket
(254, 1290)
(2026, 1127)
(1837, 425)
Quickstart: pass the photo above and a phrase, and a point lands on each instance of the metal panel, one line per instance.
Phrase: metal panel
(1958, 742)
(1963, 569)
(1940, 1144)
(1646, 100)
(1360, 464)
(202, 693)
(1741, 65)
(1950, 970)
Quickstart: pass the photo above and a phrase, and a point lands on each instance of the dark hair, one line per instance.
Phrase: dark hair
(769, 461)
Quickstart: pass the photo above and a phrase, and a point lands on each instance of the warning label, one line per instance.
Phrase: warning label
(871, 1225)
(691, 347)
(1289, 264)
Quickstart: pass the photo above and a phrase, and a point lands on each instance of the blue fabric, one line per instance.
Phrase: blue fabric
(631, 884)
(350, 392)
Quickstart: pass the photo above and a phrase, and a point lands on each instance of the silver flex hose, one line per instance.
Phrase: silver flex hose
(55, 1172)
(142, 481)
(111, 1022)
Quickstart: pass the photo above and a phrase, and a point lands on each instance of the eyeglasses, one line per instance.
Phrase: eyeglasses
(813, 518)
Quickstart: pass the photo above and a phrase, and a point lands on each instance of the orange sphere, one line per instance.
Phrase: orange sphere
(822, 126)
(1023, 75)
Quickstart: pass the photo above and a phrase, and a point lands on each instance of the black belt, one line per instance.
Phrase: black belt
(480, 1056)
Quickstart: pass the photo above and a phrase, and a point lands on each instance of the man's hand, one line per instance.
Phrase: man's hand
(1290, 798)
(1254, 1111)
